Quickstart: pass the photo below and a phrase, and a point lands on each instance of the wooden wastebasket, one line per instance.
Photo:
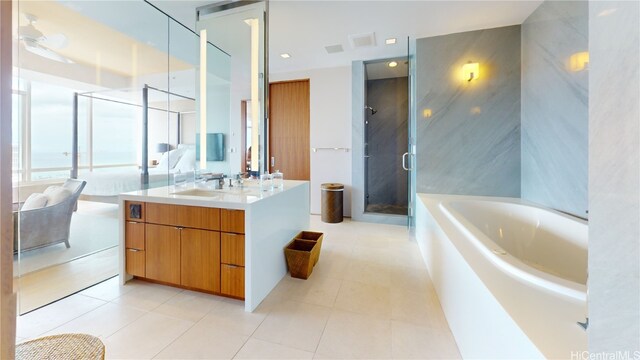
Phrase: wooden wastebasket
(300, 255)
(312, 236)
(332, 198)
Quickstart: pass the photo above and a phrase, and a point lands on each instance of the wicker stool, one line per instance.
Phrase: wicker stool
(62, 347)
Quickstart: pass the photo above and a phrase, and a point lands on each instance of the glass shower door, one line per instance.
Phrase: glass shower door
(411, 150)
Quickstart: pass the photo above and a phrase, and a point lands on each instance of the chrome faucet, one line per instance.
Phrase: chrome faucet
(239, 179)
(216, 177)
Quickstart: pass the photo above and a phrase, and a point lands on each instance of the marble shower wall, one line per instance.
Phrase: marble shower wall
(468, 133)
(555, 106)
(614, 176)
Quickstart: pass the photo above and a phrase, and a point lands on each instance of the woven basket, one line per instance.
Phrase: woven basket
(312, 236)
(300, 255)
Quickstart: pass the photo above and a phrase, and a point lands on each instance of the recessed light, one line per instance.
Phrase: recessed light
(390, 41)
(285, 56)
(393, 64)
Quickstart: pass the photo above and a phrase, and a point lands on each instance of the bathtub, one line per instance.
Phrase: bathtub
(511, 276)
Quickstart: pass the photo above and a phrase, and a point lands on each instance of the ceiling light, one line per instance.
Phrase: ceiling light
(285, 56)
(393, 64)
(390, 41)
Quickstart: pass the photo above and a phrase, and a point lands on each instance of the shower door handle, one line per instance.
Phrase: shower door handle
(404, 161)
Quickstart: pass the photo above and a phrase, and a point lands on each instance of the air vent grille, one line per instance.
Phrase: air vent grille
(332, 49)
(362, 40)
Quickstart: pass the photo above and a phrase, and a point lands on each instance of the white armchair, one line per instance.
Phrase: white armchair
(49, 225)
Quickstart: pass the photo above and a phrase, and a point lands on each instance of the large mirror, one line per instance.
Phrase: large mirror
(235, 109)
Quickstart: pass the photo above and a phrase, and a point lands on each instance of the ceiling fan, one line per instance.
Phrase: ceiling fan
(37, 43)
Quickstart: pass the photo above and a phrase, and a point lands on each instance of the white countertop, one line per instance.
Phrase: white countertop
(230, 198)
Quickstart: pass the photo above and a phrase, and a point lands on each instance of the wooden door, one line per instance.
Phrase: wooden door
(289, 129)
(200, 259)
(162, 253)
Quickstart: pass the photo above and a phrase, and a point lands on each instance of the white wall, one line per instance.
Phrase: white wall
(330, 92)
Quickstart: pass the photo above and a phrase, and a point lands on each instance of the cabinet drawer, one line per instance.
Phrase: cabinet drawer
(232, 247)
(134, 211)
(232, 280)
(232, 221)
(135, 262)
(134, 235)
(183, 216)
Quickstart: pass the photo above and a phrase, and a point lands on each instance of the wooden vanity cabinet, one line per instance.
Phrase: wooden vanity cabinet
(232, 277)
(232, 221)
(192, 247)
(135, 256)
(163, 253)
(200, 259)
(232, 249)
(135, 262)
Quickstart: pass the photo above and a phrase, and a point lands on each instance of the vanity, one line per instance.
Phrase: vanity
(226, 242)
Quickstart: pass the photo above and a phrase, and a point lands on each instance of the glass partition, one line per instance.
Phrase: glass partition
(104, 103)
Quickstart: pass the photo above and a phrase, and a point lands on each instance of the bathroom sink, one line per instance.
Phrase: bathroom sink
(198, 192)
(214, 192)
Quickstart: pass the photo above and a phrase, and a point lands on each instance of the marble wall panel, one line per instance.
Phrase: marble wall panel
(468, 132)
(555, 106)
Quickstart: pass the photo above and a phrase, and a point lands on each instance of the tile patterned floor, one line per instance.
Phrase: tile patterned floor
(369, 297)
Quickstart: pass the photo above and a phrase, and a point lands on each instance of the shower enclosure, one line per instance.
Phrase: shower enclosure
(386, 136)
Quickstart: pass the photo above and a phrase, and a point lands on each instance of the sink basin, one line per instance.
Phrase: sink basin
(198, 192)
(213, 192)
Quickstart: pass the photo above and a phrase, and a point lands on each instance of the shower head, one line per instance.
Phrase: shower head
(373, 111)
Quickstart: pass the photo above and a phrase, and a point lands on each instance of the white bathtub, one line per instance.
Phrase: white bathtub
(543, 247)
(511, 276)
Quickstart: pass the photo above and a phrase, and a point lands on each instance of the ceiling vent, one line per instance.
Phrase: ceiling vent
(332, 49)
(362, 40)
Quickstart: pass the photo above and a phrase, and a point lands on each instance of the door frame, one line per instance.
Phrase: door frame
(358, 99)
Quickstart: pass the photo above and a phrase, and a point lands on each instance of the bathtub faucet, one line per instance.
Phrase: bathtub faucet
(584, 325)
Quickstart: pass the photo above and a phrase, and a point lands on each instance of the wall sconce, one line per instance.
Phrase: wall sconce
(470, 71)
(578, 61)
(426, 113)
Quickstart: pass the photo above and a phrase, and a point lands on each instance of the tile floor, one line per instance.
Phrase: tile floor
(369, 297)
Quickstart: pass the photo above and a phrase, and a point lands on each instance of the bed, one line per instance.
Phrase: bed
(106, 186)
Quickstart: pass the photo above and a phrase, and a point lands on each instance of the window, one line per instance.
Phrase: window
(51, 123)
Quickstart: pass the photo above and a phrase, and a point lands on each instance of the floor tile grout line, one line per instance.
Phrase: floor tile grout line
(253, 332)
(176, 338)
(84, 313)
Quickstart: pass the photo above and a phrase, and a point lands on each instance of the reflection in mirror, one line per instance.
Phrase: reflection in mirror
(213, 108)
(238, 30)
(246, 126)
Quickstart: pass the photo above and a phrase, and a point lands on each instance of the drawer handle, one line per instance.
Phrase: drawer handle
(179, 228)
(134, 250)
(232, 266)
(131, 222)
